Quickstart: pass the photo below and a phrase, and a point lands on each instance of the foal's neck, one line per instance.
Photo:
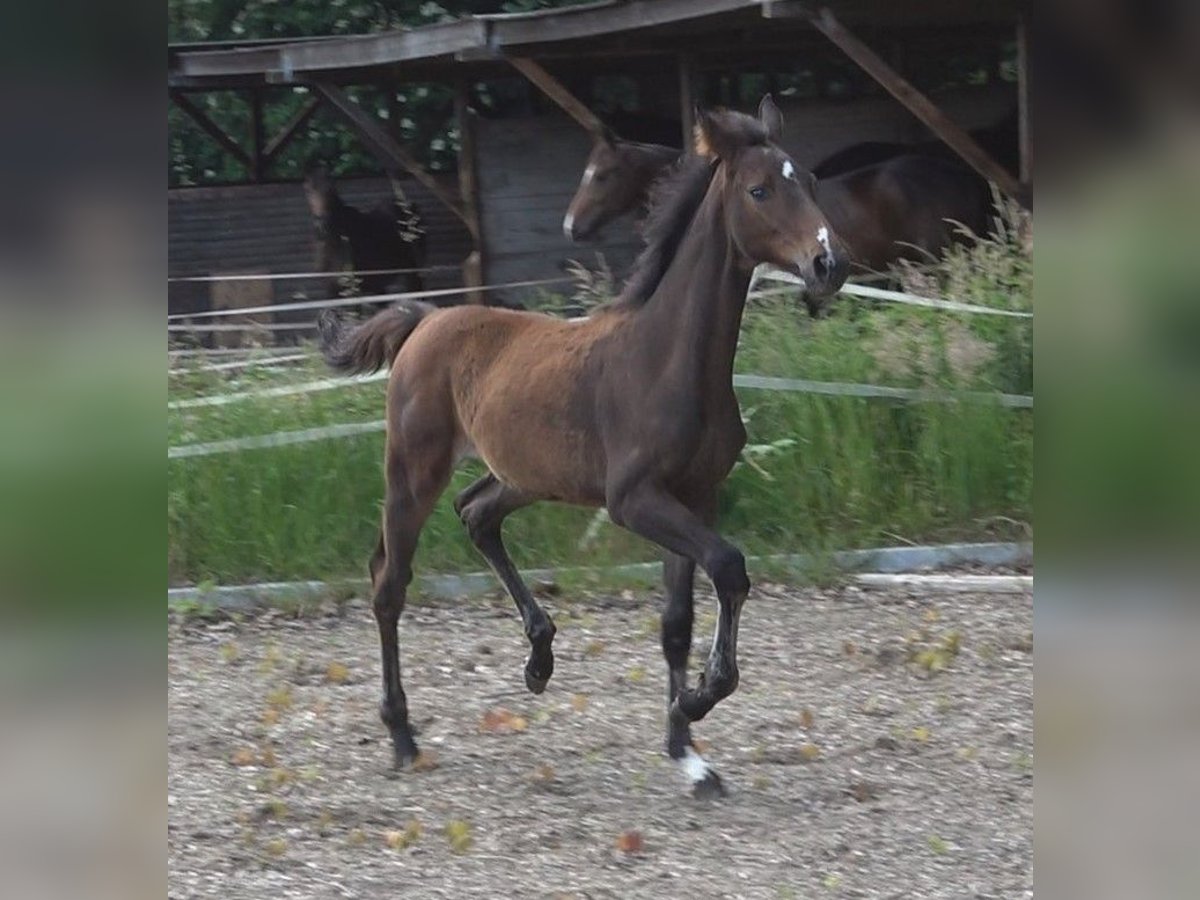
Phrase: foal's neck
(697, 307)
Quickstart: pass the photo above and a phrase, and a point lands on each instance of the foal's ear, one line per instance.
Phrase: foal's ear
(712, 138)
(771, 118)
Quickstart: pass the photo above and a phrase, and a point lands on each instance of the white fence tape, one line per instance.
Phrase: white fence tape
(286, 390)
(291, 276)
(241, 326)
(270, 360)
(758, 382)
(275, 439)
(360, 301)
(282, 438)
(840, 389)
(872, 293)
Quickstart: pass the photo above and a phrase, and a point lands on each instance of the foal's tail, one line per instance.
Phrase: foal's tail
(373, 344)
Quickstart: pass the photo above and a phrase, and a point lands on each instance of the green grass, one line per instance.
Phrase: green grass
(830, 472)
(822, 473)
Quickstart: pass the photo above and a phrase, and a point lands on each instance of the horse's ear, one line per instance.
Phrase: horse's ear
(771, 118)
(712, 139)
(604, 135)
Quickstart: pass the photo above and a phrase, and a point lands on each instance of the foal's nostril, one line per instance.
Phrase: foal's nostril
(822, 266)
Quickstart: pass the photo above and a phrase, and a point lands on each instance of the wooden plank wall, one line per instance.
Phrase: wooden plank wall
(267, 228)
(529, 169)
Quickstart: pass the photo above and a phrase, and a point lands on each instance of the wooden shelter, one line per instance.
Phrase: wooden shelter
(838, 69)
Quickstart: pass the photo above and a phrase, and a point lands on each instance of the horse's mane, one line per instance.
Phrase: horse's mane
(674, 199)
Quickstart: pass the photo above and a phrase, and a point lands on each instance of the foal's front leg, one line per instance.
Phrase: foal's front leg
(677, 618)
(658, 516)
(482, 507)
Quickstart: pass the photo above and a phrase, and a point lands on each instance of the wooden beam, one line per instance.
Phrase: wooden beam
(293, 125)
(554, 89)
(258, 136)
(468, 186)
(387, 150)
(786, 9)
(917, 103)
(687, 97)
(213, 130)
(1024, 120)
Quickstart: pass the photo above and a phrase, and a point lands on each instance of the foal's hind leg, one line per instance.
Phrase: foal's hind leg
(483, 507)
(418, 467)
(677, 618)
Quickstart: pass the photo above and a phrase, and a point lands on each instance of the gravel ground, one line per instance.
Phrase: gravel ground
(880, 745)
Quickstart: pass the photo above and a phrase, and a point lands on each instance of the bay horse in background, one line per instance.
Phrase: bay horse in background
(388, 236)
(631, 409)
(616, 180)
(900, 208)
(1000, 140)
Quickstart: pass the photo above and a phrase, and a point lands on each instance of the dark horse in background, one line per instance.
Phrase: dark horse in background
(631, 409)
(388, 236)
(896, 207)
(999, 140)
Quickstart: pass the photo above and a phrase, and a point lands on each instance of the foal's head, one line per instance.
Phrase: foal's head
(615, 181)
(770, 207)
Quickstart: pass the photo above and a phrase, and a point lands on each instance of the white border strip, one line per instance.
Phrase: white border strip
(948, 584)
(365, 300)
(249, 597)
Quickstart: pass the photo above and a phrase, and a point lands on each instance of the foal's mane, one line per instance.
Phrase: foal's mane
(674, 200)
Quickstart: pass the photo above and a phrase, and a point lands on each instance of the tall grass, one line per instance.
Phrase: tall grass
(823, 472)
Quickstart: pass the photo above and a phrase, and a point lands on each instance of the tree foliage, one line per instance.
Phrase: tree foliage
(424, 112)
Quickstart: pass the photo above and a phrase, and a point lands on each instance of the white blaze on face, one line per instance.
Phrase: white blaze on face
(789, 171)
(823, 240)
(569, 226)
(588, 174)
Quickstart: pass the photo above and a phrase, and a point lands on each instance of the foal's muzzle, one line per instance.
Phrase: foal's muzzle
(825, 273)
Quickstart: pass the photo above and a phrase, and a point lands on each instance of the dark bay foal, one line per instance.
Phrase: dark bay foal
(632, 409)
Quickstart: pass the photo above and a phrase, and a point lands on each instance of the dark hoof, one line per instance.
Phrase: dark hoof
(536, 685)
(709, 787)
(537, 673)
(403, 760)
(404, 752)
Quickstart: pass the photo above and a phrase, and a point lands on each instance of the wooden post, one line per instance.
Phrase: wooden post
(387, 150)
(468, 186)
(393, 108)
(556, 91)
(213, 130)
(258, 136)
(687, 97)
(917, 103)
(1024, 119)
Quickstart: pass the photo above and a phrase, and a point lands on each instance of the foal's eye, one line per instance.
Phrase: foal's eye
(759, 192)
